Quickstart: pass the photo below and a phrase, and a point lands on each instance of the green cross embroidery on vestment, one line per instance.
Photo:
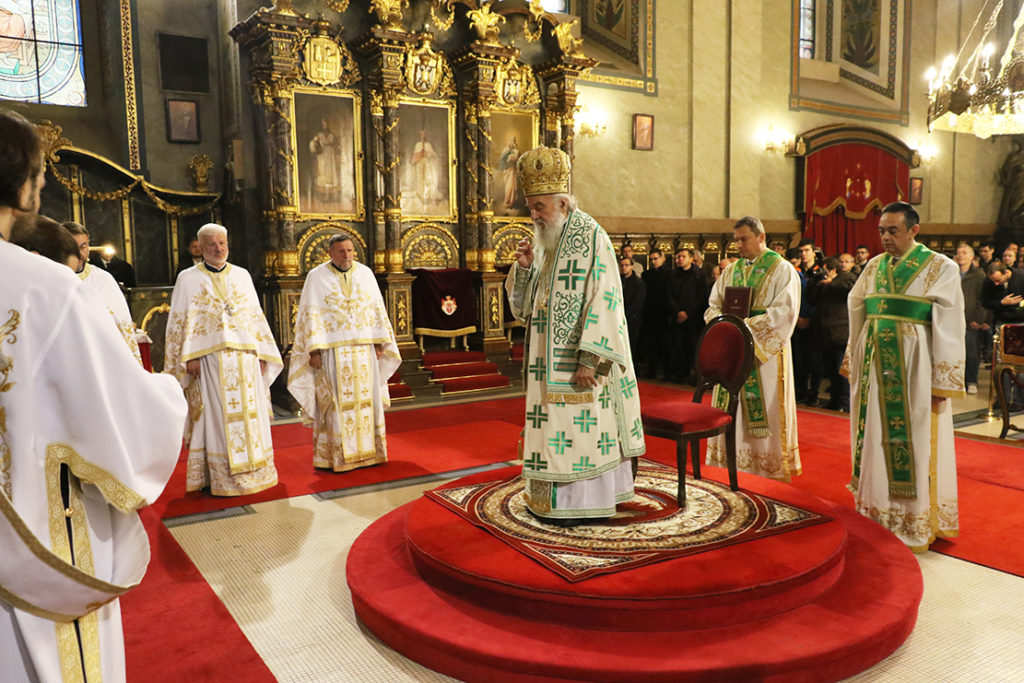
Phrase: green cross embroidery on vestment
(638, 429)
(537, 369)
(591, 318)
(537, 416)
(606, 397)
(583, 464)
(628, 386)
(534, 462)
(585, 420)
(606, 443)
(570, 275)
(611, 300)
(604, 344)
(540, 322)
(599, 268)
(560, 443)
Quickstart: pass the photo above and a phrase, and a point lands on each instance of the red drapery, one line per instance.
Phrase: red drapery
(846, 186)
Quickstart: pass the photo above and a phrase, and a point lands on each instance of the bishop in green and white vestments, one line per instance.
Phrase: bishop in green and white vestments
(906, 359)
(766, 434)
(582, 406)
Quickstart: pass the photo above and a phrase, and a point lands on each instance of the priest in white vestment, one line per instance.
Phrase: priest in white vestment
(86, 438)
(766, 433)
(906, 360)
(221, 349)
(104, 284)
(583, 423)
(343, 353)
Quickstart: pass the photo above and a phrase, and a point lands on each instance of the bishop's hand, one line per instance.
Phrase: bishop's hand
(524, 253)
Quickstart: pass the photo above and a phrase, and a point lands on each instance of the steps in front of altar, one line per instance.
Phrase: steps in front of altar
(815, 604)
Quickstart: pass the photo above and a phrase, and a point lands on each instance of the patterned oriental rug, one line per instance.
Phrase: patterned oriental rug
(647, 529)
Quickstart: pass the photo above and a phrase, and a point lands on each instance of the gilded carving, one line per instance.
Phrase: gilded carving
(52, 139)
(322, 60)
(567, 43)
(199, 171)
(427, 251)
(506, 239)
(401, 314)
(128, 66)
(516, 84)
(395, 263)
(338, 5)
(430, 245)
(423, 67)
(495, 309)
(442, 24)
(389, 12)
(486, 24)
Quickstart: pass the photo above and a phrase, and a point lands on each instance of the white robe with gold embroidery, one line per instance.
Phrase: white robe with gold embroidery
(216, 318)
(104, 284)
(776, 456)
(933, 356)
(343, 316)
(73, 405)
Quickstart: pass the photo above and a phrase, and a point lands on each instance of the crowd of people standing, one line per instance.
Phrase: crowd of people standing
(665, 306)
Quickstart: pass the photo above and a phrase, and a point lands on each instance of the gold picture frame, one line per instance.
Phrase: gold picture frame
(327, 142)
(426, 177)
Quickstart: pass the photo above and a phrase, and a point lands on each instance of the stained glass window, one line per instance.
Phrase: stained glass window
(807, 29)
(41, 52)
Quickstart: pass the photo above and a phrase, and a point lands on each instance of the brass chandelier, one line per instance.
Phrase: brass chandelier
(982, 94)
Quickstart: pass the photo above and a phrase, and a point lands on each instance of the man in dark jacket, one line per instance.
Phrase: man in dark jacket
(688, 298)
(972, 279)
(831, 324)
(1002, 293)
(633, 293)
(807, 366)
(654, 328)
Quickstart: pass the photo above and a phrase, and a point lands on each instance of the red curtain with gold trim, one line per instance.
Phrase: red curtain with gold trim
(846, 186)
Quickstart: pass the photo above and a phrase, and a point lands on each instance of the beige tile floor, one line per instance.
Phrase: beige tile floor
(280, 570)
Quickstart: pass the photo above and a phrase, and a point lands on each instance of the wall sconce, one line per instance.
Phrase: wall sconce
(778, 141)
(923, 154)
(590, 124)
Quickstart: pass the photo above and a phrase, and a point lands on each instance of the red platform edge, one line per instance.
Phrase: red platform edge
(740, 582)
(863, 618)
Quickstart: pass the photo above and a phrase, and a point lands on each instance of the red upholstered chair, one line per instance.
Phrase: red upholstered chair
(725, 355)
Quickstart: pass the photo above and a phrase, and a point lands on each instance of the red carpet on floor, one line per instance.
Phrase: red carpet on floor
(175, 627)
(410, 454)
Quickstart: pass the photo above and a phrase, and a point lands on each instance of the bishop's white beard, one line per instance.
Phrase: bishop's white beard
(546, 237)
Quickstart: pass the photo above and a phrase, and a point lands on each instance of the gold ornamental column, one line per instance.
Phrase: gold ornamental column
(559, 76)
(471, 232)
(274, 39)
(479, 62)
(384, 46)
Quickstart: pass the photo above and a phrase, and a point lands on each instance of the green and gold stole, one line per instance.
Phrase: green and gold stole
(751, 395)
(886, 309)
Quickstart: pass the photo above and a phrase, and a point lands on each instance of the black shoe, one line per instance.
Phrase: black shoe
(811, 402)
